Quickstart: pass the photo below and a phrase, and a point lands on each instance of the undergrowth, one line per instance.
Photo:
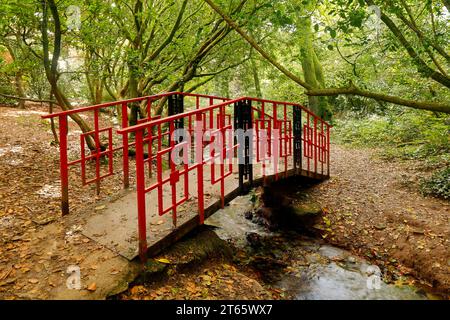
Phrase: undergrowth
(438, 184)
(411, 135)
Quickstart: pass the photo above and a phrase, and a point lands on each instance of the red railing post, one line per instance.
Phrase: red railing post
(199, 163)
(97, 151)
(126, 170)
(328, 150)
(63, 166)
(140, 190)
(315, 144)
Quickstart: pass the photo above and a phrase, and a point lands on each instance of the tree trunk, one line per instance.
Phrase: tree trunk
(133, 93)
(350, 90)
(98, 91)
(256, 79)
(19, 89)
(50, 66)
(312, 70)
(52, 121)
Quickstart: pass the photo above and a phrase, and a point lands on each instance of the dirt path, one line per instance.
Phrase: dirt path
(37, 245)
(374, 209)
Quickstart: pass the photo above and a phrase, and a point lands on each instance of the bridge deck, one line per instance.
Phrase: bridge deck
(116, 225)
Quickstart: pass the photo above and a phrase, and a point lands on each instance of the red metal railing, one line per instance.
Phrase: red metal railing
(283, 137)
(272, 122)
(100, 151)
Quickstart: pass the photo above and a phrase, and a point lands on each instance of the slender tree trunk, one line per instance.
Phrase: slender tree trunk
(256, 79)
(52, 121)
(133, 93)
(50, 66)
(90, 87)
(19, 89)
(98, 91)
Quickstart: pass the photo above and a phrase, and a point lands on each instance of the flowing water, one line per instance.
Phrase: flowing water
(303, 267)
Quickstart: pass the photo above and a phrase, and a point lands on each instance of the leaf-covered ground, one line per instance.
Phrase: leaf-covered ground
(213, 280)
(374, 208)
(36, 243)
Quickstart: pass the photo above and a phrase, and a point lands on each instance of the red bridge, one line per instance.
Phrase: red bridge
(187, 165)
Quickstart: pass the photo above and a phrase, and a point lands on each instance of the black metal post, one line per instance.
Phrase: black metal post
(243, 121)
(176, 106)
(298, 138)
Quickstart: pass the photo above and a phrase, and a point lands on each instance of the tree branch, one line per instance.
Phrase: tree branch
(253, 43)
(353, 90)
(27, 99)
(171, 35)
(422, 66)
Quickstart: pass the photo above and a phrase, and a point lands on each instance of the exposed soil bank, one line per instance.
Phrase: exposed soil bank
(372, 208)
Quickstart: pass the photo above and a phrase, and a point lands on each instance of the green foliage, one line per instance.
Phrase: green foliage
(427, 133)
(438, 185)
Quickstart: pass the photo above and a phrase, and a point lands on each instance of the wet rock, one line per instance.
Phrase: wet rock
(274, 199)
(197, 247)
(154, 267)
(253, 239)
(269, 267)
(191, 250)
(268, 217)
(278, 211)
(248, 215)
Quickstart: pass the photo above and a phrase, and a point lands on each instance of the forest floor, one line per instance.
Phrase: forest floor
(372, 207)
(36, 244)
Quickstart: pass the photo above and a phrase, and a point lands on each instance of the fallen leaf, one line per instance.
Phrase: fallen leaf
(5, 274)
(163, 260)
(92, 287)
(137, 289)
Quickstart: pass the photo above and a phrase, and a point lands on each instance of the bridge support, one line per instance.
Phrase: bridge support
(297, 128)
(176, 106)
(243, 121)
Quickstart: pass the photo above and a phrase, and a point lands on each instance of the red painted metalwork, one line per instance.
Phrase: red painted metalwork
(316, 149)
(97, 154)
(175, 183)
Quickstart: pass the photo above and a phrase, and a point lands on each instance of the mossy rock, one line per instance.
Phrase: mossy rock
(197, 247)
(309, 210)
(304, 215)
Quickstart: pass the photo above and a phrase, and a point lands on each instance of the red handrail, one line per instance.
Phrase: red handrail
(118, 102)
(197, 111)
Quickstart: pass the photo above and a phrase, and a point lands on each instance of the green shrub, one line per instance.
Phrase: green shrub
(438, 185)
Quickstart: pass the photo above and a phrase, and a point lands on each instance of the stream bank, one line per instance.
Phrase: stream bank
(246, 252)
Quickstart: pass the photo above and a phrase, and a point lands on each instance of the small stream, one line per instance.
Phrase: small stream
(304, 268)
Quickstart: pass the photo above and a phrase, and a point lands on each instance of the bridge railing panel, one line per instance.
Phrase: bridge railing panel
(99, 152)
(287, 137)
